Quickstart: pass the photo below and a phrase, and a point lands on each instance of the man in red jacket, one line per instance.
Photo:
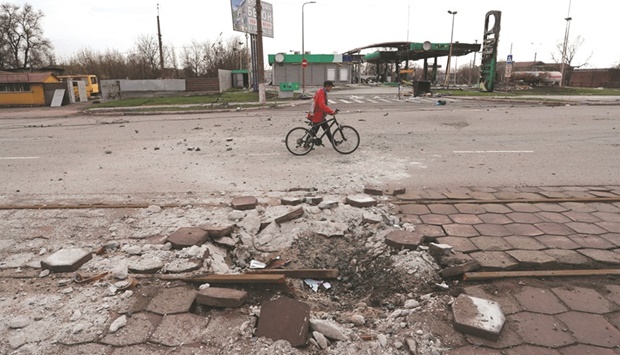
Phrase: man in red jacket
(320, 110)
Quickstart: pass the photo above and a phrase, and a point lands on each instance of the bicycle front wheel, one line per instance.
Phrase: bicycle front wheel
(299, 141)
(346, 140)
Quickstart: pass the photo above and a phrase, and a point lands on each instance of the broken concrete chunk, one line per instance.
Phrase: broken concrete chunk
(361, 201)
(218, 231)
(329, 229)
(145, 265)
(292, 201)
(187, 236)
(438, 250)
(284, 319)
(313, 200)
(66, 260)
(478, 317)
(404, 240)
(118, 323)
(460, 269)
(180, 266)
(320, 339)
(325, 205)
(329, 329)
(244, 203)
(172, 300)
(371, 218)
(221, 297)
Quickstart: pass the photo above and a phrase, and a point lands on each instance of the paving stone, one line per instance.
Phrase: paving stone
(584, 217)
(373, 190)
(66, 260)
(586, 228)
(584, 300)
(568, 258)
(179, 329)
(17, 260)
(187, 236)
(413, 219)
(395, 191)
(286, 319)
(218, 231)
(138, 329)
(221, 297)
(291, 201)
(399, 239)
(435, 219)
(327, 205)
(608, 216)
(480, 195)
(439, 250)
(535, 259)
(613, 227)
(495, 260)
(613, 293)
(470, 208)
(313, 200)
(494, 218)
(172, 300)
(224, 325)
(465, 218)
(591, 241)
(361, 201)
(80, 349)
(527, 230)
(603, 256)
(557, 242)
(613, 238)
(141, 349)
(592, 329)
(551, 207)
(525, 218)
(490, 243)
(539, 300)
(244, 203)
(457, 195)
(578, 206)
(444, 209)
(460, 230)
(179, 266)
(531, 350)
(524, 243)
(371, 218)
(523, 207)
(554, 228)
(496, 208)
(157, 239)
(472, 349)
(581, 349)
(430, 233)
(497, 293)
(463, 245)
(414, 208)
(144, 264)
(460, 269)
(547, 332)
(492, 230)
(552, 217)
(479, 317)
(291, 215)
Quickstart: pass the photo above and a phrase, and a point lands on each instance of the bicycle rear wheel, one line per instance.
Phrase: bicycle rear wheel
(299, 141)
(346, 140)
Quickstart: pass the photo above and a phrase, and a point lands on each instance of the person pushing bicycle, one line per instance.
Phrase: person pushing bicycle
(319, 110)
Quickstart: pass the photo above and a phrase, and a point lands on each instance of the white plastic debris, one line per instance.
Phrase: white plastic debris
(254, 264)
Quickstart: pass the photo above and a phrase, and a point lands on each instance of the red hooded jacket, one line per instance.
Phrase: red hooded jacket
(319, 107)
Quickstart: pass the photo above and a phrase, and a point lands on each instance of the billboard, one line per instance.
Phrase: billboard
(244, 17)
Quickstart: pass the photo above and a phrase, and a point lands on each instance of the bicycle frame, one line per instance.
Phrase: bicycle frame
(333, 123)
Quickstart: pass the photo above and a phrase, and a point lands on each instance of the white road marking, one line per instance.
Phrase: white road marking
(17, 158)
(345, 101)
(491, 151)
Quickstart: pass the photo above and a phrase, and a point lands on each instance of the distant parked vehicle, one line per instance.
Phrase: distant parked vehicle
(538, 77)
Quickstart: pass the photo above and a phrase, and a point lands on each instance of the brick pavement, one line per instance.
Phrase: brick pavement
(553, 228)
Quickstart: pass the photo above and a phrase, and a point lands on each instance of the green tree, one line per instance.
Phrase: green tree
(22, 44)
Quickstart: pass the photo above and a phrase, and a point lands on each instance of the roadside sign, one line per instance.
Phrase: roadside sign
(509, 59)
(304, 63)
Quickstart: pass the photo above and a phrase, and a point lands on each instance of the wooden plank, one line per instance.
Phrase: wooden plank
(231, 278)
(301, 273)
(474, 276)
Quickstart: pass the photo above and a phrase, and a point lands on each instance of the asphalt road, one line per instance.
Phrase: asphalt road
(51, 155)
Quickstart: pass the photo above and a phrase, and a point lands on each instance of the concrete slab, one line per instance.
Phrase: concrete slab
(218, 231)
(494, 260)
(172, 300)
(479, 317)
(399, 239)
(284, 318)
(138, 329)
(179, 329)
(361, 201)
(66, 260)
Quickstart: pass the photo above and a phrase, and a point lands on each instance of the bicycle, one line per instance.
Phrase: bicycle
(301, 140)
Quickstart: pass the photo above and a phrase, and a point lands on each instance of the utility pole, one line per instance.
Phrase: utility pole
(262, 98)
(161, 49)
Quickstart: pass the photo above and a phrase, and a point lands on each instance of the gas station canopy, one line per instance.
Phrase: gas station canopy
(401, 51)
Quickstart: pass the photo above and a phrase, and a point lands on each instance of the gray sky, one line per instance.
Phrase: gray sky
(531, 28)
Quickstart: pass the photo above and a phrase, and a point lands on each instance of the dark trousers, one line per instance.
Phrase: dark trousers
(325, 126)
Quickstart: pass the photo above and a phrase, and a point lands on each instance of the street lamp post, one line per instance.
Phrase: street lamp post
(453, 13)
(303, 50)
(564, 48)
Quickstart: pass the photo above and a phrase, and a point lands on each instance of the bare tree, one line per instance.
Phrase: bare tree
(22, 44)
(194, 60)
(571, 52)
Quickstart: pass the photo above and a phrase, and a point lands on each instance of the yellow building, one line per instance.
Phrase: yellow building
(27, 89)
